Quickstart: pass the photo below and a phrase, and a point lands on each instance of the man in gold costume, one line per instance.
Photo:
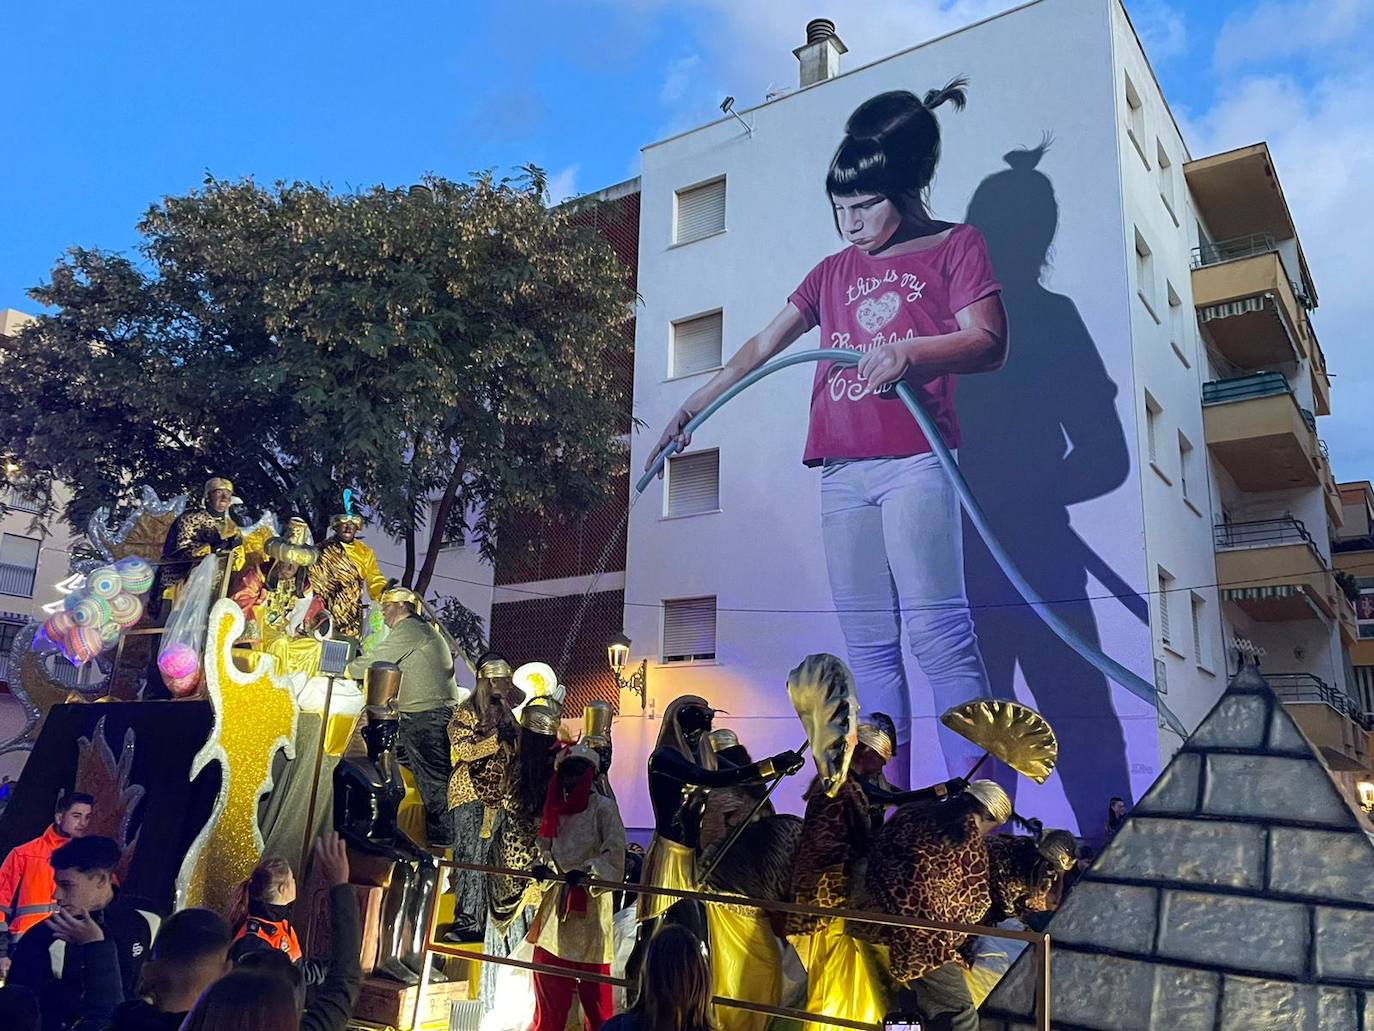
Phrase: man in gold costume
(199, 531)
(347, 568)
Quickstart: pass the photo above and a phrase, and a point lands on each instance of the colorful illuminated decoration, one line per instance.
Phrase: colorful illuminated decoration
(254, 716)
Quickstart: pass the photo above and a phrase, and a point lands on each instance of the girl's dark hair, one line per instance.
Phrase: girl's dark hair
(528, 777)
(245, 1000)
(891, 145)
(675, 983)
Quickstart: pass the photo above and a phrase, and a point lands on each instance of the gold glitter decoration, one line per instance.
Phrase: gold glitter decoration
(253, 715)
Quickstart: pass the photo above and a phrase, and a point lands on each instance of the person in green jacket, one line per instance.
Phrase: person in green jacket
(428, 696)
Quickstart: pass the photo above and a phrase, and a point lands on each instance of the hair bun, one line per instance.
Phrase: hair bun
(953, 91)
(1027, 159)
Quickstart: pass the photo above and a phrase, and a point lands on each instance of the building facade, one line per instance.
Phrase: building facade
(1148, 457)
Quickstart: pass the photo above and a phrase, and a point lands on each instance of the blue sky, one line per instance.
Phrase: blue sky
(109, 107)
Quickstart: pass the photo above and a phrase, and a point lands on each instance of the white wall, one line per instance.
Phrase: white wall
(1045, 68)
(1169, 367)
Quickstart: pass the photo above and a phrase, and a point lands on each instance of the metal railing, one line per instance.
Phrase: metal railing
(1232, 249)
(17, 580)
(432, 948)
(1261, 533)
(1309, 418)
(1245, 388)
(1308, 687)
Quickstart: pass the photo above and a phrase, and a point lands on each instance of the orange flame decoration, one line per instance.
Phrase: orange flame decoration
(98, 774)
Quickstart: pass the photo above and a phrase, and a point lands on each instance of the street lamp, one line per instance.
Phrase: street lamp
(1366, 791)
(618, 657)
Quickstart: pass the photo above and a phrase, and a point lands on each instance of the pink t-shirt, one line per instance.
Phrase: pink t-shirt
(862, 302)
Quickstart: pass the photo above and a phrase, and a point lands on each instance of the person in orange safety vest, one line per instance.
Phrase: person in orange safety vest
(26, 878)
(263, 917)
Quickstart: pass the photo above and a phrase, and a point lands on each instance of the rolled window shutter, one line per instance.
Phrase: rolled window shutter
(689, 629)
(694, 483)
(697, 344)
(700, 212)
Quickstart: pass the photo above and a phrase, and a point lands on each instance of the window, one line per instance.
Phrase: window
(1187, 470)
(694, 483)
(1166, 179)
(1135, 120)
(1164, 584)
(18, 564)
(1145, 274)
(1179, 337)
(8, 632)
(1202, 652)
(696, 345)
(689, 629)
(1153, 413)
(700, 211)
(444, 544)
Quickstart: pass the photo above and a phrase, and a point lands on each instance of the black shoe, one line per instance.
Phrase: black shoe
(460, 935)
(397, 971)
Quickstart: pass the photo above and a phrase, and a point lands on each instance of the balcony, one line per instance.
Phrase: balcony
(1255, 429)
(17, 580)
(1328, 716)
(14, 501)
(1331, 492)
(1246, 300)
(1272, 571)
(1321, 381)
(1345, 616)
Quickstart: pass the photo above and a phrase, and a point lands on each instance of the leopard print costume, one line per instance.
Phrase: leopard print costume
(479, 762)
(1016, 891)
(916, 870)
(514, 847)
(835, 836)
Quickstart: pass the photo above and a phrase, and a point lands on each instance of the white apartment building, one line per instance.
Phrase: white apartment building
(1148, 455)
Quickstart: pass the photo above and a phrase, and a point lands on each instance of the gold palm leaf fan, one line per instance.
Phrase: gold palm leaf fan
(1014, 733)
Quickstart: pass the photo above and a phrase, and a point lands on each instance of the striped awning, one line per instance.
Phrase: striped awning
(1244, 306)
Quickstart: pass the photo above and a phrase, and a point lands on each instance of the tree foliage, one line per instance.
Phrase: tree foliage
(440, 350)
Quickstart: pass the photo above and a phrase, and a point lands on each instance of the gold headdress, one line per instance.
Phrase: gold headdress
(596, 722)
(876, 739)
(542, 716)
(1060, 848)
(346, 519)
(990, 796)
(217, 483)
(402, 594)
(493, 669)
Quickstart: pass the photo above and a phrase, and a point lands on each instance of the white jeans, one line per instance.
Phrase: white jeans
(894, 548)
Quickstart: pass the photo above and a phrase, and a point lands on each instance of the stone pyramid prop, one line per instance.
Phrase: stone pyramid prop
(1238, 896)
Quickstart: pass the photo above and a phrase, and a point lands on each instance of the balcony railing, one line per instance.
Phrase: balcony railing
(1262, 533)
(17, 580)
(1307, 687)
(16, 502)
(1245, 388)
(1230, 250)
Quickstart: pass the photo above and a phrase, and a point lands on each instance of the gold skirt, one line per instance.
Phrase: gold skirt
(746, 963)
(666, 865)
(845, 977)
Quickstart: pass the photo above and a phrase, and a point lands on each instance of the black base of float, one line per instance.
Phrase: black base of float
(163, 821)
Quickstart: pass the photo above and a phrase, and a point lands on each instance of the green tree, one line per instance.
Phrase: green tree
(440, 350)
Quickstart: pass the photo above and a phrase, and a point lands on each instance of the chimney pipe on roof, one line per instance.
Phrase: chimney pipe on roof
(820, 55)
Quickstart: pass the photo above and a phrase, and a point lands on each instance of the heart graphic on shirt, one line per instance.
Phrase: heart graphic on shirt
(876, 312)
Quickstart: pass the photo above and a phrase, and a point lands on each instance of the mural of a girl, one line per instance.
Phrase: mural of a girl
(919, 297)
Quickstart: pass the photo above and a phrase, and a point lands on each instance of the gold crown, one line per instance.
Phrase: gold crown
(542, 716)
(596, 720)
(217, 483)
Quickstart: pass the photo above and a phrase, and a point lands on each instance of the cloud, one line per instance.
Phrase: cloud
(1162, 29)
(1321, 135)
(563, 185)
(1295, 28)
(679, 76)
